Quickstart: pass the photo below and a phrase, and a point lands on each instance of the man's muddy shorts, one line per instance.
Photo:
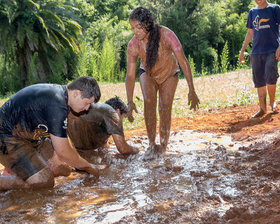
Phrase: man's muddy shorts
(265, 69)
(24, 157)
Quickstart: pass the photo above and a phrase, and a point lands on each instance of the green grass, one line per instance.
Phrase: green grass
(215, 92)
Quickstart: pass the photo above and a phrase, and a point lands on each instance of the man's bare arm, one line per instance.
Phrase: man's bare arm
(122, 145)
(69, 155)
(248, 38)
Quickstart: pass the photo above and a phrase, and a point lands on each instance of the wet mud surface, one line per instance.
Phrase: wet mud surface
(224, 169)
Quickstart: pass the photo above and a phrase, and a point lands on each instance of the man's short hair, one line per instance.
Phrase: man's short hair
(117, 103)
(88, 87)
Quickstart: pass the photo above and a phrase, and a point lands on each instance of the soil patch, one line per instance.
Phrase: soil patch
(262, 159)
(221, 167)
(213, 184)
(235, 121)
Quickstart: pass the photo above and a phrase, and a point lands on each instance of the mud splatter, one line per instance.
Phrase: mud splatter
(203, 178)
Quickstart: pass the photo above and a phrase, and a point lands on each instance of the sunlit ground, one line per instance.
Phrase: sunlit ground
(203, 178)
(135, 187)
(215, 91)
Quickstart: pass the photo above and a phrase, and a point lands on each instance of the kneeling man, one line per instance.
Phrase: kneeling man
(30, 117)
(92, 129)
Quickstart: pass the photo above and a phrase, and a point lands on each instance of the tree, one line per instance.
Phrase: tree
(238, 6)
(36, 30)
(204, 26)
(197, 23)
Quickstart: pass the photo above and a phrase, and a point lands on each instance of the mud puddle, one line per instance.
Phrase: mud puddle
(203, 178)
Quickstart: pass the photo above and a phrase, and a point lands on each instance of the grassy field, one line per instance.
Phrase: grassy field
(214, 92)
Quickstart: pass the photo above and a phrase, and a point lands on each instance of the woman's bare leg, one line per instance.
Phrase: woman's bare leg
(166, 96)
(149, 90)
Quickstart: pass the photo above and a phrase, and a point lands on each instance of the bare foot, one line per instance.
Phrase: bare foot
(153, 152)
(274, 107)
(259, 114)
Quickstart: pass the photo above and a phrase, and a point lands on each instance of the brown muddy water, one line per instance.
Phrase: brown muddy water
(203, 178)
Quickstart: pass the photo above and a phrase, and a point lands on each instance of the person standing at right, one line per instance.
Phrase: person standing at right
(263, 26)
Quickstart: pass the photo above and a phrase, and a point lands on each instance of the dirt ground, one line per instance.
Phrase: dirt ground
(262, 134)
(264, 153)
(261, 161)
(235, 121)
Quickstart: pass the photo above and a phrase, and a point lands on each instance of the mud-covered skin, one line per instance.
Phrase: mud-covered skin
(166, 94)
(92, 129)
(166, 64)
(161, 78)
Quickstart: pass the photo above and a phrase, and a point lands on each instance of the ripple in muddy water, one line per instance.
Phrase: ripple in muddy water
(202, 178)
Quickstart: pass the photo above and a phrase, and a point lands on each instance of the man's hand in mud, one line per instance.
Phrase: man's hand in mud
(131, 108)
(92, 169)
(193, 100)
(134, 150)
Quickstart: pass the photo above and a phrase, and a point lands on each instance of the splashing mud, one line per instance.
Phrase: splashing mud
(203, 178)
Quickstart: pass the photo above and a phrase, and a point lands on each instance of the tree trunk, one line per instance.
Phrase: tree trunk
(23, 67)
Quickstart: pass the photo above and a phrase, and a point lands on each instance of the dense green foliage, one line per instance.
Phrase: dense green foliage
(32, 32)
(58, 40)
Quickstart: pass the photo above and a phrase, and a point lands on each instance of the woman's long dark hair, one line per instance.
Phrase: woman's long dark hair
(147, 22)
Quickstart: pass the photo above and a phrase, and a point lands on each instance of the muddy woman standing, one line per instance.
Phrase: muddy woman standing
(160, 52)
